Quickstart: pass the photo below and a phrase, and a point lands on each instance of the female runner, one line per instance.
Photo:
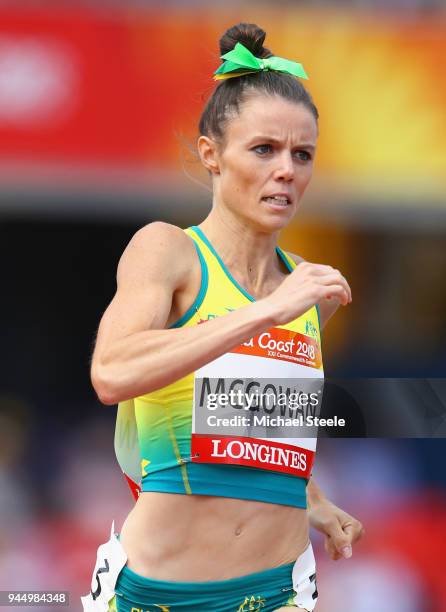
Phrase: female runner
(211, 531)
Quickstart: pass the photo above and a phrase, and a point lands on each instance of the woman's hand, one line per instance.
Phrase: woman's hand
(307, 285)
(340, 529)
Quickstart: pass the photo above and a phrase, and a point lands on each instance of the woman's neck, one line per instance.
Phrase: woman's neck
(249, 253)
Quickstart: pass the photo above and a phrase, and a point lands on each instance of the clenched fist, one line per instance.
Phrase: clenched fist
(307, 284)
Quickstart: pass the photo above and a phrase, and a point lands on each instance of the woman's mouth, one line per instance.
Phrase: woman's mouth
(277, 200)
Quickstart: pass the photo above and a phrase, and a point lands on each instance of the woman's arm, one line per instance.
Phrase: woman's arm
(135, 355)
(340, 529)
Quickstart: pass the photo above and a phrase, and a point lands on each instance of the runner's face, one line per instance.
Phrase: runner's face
(269, 150)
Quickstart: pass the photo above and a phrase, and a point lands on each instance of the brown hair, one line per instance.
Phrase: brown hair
(231, 93)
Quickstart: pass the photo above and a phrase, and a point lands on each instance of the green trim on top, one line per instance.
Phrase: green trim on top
(200, 233)
(201, 294)
(279, 251)
(284, 259)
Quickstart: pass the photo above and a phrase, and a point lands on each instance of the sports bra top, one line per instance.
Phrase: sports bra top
(163, 439)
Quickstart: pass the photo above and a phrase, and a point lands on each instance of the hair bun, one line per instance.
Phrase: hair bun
(250, 35)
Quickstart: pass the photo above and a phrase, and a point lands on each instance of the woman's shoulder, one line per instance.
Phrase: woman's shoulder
(160, 237)
(161, 248)
(158, 232)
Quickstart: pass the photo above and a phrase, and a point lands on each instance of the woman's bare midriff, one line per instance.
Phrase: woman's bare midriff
(199, 538)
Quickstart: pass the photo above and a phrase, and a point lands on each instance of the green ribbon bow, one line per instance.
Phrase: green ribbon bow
(241, 61)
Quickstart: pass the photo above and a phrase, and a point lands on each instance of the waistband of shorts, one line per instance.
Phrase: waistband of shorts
(144, 588)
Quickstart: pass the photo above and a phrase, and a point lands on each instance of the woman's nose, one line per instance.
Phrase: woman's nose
(285, 167)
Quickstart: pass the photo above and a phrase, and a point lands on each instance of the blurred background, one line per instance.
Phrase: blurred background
(99, 104)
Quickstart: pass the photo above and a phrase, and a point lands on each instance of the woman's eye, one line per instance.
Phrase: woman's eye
(262, 149)
(303, 155)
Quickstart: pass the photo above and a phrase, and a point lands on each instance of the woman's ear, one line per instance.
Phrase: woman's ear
(208, 152)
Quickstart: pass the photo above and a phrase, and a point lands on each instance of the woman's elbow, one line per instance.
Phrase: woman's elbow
(104, 386)
(106, 398)
(115, 383)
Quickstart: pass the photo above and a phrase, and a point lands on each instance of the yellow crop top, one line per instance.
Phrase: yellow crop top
(155, 441)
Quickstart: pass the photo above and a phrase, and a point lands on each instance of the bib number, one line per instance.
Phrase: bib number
(110, 560)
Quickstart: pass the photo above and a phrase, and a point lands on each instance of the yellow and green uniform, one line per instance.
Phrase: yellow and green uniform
(164, 417)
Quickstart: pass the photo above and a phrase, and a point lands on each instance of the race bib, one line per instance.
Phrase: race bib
(255, 406)
(110, 560)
